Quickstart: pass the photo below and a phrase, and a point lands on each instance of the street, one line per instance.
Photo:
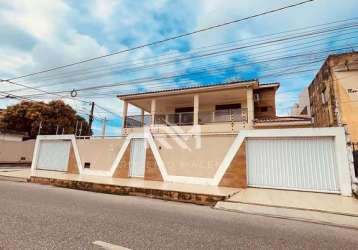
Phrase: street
(44, 217)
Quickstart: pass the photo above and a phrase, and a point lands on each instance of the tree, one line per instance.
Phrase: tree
(27, 116)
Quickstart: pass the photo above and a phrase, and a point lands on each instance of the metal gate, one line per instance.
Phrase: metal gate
(292, 163)
(137, 162)
(54, 155)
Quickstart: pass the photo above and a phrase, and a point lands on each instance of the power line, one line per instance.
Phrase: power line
(171, 75)
(165, 63)
(55, 94)
(221, 53)
(11, 96)
(167, 39)
(339, 27)
(304, 62)
(175, 75)
(190, 57)
(131, 82)
(65, 97)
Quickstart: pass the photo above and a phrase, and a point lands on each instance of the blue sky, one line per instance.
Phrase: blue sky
(44, 33)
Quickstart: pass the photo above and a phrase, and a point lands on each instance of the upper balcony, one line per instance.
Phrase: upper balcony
(187, 118)
(221, 107)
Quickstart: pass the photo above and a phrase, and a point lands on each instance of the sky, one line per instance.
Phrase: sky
(37, 35)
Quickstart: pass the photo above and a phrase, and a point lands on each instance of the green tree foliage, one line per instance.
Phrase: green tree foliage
(27, 115)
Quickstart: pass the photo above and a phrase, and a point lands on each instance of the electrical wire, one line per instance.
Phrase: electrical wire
(168, 39)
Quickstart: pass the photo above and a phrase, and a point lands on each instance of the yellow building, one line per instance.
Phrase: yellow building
(334, 94)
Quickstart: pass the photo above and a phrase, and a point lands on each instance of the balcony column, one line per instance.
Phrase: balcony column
(142, 117)
(124, 113)
(196, 109)
(152, 109)
(250, 106)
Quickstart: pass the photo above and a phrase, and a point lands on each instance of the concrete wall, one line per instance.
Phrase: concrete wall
(100, 153)
(322, 98)
(210, 159)
(267, 97)
(12, 151)
(182, 157)
(10, 137)
(347, 88)
(334, 94)
(214, 128)
(326, 91)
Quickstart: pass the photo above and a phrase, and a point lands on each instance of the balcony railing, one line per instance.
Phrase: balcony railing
(180, 119)
(136, 121)
(227, 115)
(187, 118)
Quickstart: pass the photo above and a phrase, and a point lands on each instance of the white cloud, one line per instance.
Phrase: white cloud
(40, 19)
(103, 9)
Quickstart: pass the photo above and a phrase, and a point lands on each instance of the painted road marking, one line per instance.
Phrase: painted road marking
(108, 246)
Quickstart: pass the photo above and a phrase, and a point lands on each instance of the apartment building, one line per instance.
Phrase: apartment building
(333, 94)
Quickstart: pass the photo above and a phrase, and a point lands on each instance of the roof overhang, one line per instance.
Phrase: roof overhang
(190, 90)
(275, 85)
(283, 122)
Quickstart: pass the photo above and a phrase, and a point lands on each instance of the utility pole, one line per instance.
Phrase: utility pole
(104, 127)
(90, 118)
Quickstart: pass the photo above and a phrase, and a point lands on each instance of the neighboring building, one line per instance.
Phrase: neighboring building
(334, 94)
(225, 107)
(302, 108)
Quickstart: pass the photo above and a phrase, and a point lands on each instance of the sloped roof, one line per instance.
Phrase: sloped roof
(209, 85)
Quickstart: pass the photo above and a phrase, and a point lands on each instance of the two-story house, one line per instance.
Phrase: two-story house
(225, 107)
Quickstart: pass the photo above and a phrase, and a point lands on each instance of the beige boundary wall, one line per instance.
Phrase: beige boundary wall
(13, 151)
(99, 153)
(191, 156)
(231, 166)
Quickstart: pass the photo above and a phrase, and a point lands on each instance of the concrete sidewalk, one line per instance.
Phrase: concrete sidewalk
(331, 209)
(323, 202)
(13, 174)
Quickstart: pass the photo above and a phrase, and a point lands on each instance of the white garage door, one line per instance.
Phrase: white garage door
(290, 163)
(53, 155)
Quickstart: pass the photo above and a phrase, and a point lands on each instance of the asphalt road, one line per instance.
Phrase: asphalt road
(43, 217)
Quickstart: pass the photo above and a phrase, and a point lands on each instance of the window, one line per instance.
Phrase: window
(304, 111)
(323, 96)
(228, 106)
(184, 110)
(184, 116)
(264, 109)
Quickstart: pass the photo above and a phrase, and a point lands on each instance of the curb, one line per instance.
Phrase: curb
(294, 208)
(13, 179)
(301, 219)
